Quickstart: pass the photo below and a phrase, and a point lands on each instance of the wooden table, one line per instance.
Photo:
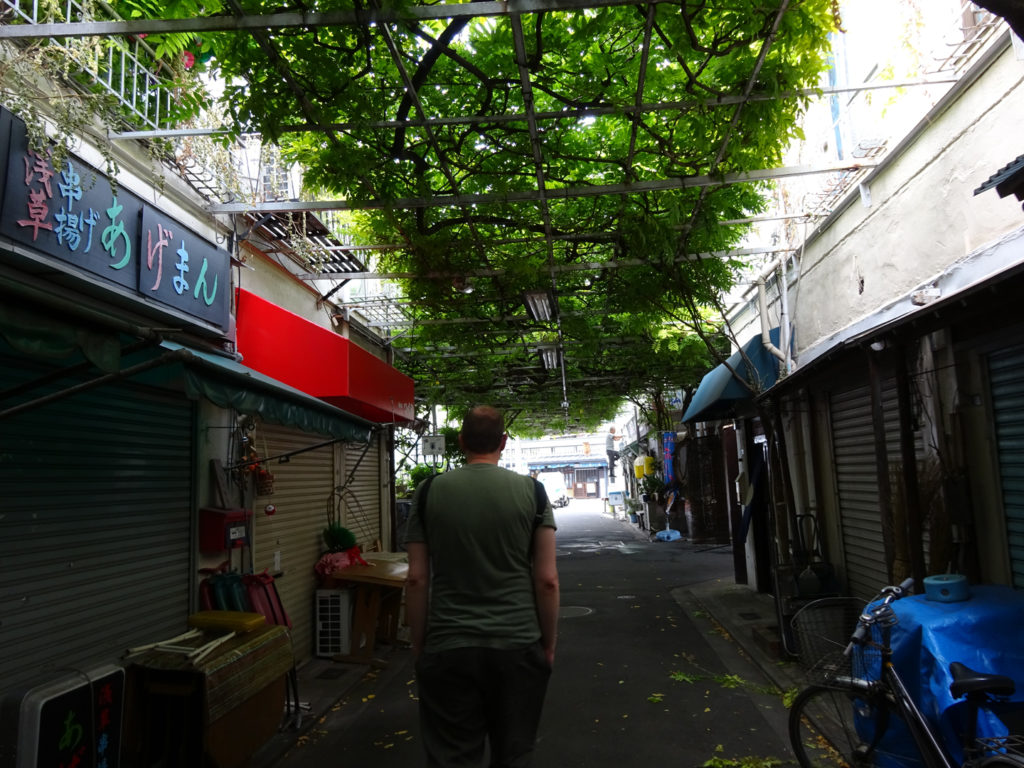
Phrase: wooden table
(377, 597)
(378, 600)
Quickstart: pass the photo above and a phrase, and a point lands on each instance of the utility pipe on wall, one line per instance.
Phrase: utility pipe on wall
(762, 302)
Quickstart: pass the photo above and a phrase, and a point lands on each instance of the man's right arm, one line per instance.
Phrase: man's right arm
(417, 594)
(545, 588)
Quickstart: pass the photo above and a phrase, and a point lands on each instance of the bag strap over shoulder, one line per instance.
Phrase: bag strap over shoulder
(423, 494)
(421, 506)
(540, 501)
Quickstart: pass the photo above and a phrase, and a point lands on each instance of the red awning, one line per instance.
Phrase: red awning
(319, 362)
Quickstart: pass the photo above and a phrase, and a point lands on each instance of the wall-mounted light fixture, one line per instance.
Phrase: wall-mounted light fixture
(540, 305)
(549, 356)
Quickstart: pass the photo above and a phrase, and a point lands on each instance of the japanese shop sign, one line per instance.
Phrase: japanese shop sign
(81, 726)
(74, 215)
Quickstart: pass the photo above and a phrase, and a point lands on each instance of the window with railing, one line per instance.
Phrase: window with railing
(126, 68)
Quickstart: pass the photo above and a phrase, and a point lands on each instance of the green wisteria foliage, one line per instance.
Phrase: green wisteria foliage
(441, 131)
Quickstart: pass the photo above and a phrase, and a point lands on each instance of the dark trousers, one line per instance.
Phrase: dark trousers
(613, 456)
(469, 696)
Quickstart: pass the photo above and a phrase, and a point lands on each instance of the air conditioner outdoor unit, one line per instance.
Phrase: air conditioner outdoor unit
(333, 622)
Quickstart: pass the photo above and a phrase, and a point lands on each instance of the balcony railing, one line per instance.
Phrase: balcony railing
(127, 68)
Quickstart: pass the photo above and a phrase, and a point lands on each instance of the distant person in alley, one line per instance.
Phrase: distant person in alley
(482, 603)
(613, 454)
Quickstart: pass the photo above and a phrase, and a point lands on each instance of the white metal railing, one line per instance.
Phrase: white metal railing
(128, 70)
(974, 28)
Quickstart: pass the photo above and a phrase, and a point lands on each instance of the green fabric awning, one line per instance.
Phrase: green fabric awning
(221, 380)
(42, 336)
(229, 384)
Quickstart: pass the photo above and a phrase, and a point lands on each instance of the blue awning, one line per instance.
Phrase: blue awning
(566, 463)
(720, 392)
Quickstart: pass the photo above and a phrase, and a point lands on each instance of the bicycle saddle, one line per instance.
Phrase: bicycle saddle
(967, 681)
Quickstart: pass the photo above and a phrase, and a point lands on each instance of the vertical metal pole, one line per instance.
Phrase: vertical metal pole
(911, 494)
(881, 462)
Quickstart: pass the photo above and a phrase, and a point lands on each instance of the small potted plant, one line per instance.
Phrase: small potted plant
(632, 509)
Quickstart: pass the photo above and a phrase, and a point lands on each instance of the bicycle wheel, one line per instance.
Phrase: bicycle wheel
(830, 727)
(1002, 761)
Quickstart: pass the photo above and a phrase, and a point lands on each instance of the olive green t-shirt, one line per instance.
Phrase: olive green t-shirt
(478, 526)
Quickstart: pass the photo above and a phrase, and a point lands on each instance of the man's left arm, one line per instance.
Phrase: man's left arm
(545, 588)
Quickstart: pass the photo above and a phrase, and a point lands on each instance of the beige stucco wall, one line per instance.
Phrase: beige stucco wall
(260, 275)
(923, 215)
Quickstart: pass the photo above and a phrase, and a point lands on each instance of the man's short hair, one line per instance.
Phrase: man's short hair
(482, 429)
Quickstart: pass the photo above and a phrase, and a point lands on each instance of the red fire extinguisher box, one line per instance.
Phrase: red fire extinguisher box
(221, 529)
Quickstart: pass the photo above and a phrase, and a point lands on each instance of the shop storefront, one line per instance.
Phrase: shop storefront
(121, 402)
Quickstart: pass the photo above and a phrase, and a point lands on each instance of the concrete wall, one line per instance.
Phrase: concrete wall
(923, 216)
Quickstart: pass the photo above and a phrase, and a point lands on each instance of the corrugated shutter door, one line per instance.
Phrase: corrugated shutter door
(302, 492)
(853, 447)
(96, 493)
(362, 494)
(1006, 375)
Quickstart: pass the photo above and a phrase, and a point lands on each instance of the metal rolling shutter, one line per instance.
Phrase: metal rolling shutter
(1006, 376)
(361, 494)
(96, 492)
(853, 451)
(302, 492)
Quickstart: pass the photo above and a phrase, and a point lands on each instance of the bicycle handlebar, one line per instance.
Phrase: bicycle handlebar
(889, 595)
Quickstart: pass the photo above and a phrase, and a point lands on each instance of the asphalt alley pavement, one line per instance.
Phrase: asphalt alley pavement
(652, 669)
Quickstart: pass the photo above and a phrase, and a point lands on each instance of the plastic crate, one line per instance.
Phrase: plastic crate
(333, 622)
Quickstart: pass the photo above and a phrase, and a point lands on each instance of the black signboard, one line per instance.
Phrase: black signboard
(74, 215)
(178, 268)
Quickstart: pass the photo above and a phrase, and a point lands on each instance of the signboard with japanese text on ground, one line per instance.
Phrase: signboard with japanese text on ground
(73, 720)
(74, 214)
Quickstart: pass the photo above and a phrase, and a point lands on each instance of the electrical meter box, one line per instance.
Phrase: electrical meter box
(432, 445)
(221, 529)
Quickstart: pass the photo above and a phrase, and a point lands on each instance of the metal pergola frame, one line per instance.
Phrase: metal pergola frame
(343, 263)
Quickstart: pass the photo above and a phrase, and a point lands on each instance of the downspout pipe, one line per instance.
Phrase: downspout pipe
(762, 302)
(784, 329)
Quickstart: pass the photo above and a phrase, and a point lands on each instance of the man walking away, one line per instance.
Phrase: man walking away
(613, 455)
(482, 604)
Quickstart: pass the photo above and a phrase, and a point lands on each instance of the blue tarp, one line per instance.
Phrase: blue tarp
(983, 632)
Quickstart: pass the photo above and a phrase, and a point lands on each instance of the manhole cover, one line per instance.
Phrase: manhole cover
(331, 673)
(573, 611)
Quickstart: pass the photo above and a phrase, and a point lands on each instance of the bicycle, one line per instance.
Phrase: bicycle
(858, 711)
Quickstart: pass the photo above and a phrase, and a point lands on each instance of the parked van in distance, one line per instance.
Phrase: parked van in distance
(554, 484)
